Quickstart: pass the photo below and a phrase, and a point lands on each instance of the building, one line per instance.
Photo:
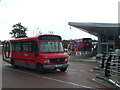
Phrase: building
(108, 35)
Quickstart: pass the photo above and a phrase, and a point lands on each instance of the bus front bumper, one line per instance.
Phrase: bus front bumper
(56, 66)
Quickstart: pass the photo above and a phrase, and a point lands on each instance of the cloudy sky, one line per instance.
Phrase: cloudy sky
(54, 15)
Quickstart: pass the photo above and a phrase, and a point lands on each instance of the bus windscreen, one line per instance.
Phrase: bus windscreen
(87, 41)
(51, 47)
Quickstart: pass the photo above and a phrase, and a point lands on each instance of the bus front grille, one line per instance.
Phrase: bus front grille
(57, 60)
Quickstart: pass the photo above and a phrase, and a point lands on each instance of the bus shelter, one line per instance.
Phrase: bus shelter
(108, 35)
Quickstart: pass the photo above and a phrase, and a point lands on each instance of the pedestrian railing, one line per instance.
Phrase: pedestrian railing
(111, 65)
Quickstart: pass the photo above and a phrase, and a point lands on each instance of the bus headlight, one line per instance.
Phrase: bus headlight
(66, 59)
(47, 61)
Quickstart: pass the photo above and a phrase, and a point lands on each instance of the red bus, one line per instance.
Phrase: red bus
(41, 52)
(79, 45)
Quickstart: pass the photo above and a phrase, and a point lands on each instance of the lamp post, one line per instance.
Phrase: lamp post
(37, 31)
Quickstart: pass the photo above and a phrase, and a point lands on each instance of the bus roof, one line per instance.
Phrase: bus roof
(82, 38)
(31, 38)
(79, 39)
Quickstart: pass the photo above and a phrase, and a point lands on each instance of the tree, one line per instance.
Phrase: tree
(18, 31)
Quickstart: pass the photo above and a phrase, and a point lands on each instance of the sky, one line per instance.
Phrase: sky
(54, 15)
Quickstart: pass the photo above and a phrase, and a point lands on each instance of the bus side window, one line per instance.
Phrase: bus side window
(28, 47)
(31, 46)
(18, 47)
(25, 47)
(13, 47)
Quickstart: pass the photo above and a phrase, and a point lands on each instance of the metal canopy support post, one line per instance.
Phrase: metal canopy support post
(114, 46)
(99, 46)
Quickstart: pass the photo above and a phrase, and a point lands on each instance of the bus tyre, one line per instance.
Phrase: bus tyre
(13, 64)
(63, 69)
(40, 69)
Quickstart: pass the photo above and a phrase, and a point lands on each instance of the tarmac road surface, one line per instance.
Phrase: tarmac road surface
(78, 75)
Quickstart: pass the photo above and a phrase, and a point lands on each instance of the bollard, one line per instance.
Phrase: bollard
(107, 68)
(103, 60)
(118, 63)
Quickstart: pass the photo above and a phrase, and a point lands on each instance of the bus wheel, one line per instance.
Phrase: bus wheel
(13, 64)
(63, 69)
(40, 69)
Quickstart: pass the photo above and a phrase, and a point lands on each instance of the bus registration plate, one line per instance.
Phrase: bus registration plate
(58, 65)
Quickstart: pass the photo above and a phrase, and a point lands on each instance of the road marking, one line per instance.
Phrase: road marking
(71, 83)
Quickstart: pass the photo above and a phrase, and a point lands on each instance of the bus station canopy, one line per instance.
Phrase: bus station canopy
(97, 28)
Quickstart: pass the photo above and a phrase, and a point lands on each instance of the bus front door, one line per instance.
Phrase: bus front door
(7, 53)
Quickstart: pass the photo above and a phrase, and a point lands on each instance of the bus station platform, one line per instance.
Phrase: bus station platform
(77, 58)
(100, 76)
(106, 81)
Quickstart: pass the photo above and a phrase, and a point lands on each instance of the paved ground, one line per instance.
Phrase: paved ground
(78, 75)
